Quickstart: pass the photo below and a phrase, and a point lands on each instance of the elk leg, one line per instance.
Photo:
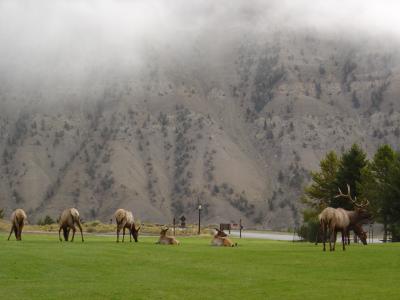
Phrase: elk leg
(20, 231)
(334, 240)
(16, 231)
(332, 235)
(123, 234)
(80, 229)
(12, 229)
(118, 230)
(73, 233)
(59, 234)
(324, 236)
(130, 235)
(348, 236)
(318, 234)
(343, 239)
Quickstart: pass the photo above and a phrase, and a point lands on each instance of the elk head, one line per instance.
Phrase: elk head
(220, 233)
(363, 237)
(135, 232)
(164, 231)
(361, 208)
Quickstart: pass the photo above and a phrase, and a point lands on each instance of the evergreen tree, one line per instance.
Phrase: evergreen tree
(319, 194)
(351, 165)
(375, 180)
(322, 190)
(392, 198)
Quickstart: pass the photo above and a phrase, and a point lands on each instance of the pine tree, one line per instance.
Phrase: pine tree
(322, 190)
(351, 165)
(375, 179)
(392, 198)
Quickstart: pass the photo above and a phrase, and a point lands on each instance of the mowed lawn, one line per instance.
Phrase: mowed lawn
(40, 267)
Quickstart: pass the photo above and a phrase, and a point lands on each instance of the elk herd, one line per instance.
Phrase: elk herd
(331, 221)
(70, 219)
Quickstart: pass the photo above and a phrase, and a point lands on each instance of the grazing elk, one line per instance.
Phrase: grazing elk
(358, 230)
(221, 239)
(18, 219)
(331, 221)
(125, 220)
(166, 240)
(68, 219)
(334, 220)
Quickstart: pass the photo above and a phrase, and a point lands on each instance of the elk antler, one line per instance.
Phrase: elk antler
(348, 196)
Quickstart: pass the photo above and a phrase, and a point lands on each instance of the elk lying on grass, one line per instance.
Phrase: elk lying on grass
(68, 219)
(334, 220)
(166, 240)
(125, 220)
(221, 239)
(18, 219)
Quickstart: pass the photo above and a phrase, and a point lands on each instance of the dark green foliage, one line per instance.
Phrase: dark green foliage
(377, 95)
(349, 172)
(46, 221)
(355, 100)
(348, 76)
(308, 231)
(378, 181)
(323, 188)
(268, 75)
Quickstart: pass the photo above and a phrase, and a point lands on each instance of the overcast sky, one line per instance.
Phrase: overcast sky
(72, 34)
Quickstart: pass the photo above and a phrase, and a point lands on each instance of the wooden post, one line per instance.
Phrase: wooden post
(240, 228)
(199, 208)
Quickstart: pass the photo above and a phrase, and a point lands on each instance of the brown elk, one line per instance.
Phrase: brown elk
(334, 220)
(68, 219)
(331, 221)
(166, 240)
(358, 230)
(125, 220)
(221, 239)
(360, 214)
(18, 219)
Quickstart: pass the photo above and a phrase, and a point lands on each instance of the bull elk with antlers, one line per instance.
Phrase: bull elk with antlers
(333, 220)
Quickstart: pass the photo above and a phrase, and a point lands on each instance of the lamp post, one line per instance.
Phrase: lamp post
(199, 208)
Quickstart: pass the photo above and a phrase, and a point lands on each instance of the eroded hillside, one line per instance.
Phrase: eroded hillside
(232, 120)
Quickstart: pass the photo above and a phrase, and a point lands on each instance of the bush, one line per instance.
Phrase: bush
(46, 221)
(308, 231)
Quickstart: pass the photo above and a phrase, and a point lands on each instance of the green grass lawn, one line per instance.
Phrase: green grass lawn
(40, 267)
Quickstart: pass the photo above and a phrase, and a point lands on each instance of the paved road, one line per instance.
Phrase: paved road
(283, 236)
(267, 236)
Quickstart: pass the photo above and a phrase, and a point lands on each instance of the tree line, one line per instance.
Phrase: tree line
(377, 180)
